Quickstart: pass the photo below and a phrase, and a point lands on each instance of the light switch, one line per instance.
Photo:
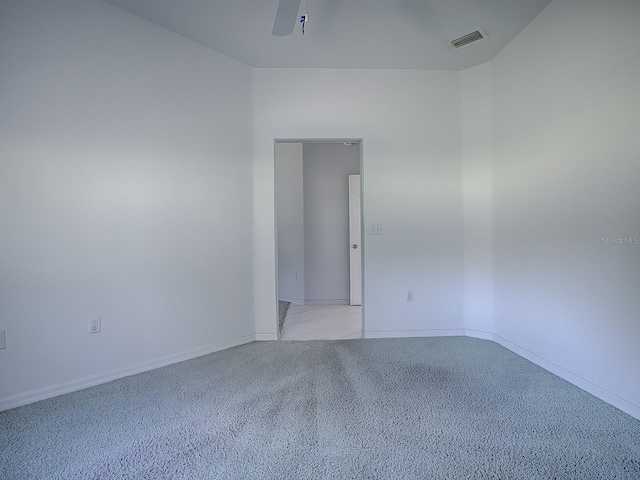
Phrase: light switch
(376, 229)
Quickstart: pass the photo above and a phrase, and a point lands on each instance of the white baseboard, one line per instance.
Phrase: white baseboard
(260, 337)
(414, 333)
(301, 301)
(295, 301)
(43, 393)
(595, 390)
(329, 302)
(479, 334)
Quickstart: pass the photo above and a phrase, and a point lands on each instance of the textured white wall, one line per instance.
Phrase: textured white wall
(327, 167)
(410, 123)
(125, 192)
(566, 170)
(290, 221)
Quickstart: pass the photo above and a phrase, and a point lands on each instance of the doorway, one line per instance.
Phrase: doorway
(317, 278)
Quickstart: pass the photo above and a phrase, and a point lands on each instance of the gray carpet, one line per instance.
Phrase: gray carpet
(283, 307)
(431, 408)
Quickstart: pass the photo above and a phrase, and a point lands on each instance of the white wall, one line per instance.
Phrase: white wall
(327, 167)
(566, 169)
(477, 182)
(410, 125)
(125, 192)
(290, 221)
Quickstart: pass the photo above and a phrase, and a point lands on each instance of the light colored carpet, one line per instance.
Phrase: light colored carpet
(428, 408)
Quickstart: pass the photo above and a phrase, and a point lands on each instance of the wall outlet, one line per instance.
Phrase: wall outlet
(95, 325)
(3, 345)
(409, 295)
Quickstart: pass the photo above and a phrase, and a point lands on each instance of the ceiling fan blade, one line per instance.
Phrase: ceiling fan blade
(286, 17)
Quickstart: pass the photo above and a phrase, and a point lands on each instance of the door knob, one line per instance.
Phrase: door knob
(354, 246)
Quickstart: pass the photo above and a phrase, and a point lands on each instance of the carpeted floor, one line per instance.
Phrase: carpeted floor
(283, 307)
(428, 408)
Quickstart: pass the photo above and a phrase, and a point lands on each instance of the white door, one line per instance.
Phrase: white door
(355, 252)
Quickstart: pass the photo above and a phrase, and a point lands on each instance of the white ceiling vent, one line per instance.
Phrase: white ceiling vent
(468, 39)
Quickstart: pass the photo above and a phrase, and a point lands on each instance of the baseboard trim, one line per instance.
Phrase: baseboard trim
(295, 301)
(302, 301)
(479, 334)
(339, 301)
(415, 333)
(590, 387)
(43, 393)
(262, 337)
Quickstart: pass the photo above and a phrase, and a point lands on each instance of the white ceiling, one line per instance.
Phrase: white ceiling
(396, 34)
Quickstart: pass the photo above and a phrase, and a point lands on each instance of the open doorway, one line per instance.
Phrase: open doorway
(318, 231)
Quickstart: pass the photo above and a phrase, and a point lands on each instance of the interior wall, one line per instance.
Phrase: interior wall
(566, 197)
(327, 167)
(410, 123)
(290, 221)
(125, 192)
(477, 183)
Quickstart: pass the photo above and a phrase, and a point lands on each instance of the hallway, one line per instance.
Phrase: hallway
(322, 322)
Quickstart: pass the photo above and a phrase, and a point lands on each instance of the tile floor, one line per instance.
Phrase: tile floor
(322, 322)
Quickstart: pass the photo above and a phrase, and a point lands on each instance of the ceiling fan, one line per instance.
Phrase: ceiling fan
(287, 17)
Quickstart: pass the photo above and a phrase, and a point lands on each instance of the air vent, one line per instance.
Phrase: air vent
(468, 39)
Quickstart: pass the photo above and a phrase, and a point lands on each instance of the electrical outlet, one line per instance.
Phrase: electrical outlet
(409, 295)
(95, 325)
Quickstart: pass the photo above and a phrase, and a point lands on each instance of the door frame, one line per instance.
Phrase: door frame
(355, 244)
(360, 142)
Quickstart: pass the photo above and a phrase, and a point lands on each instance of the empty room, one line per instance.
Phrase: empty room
(141, 278)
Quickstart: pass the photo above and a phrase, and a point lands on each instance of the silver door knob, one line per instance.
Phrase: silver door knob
(354, 246)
